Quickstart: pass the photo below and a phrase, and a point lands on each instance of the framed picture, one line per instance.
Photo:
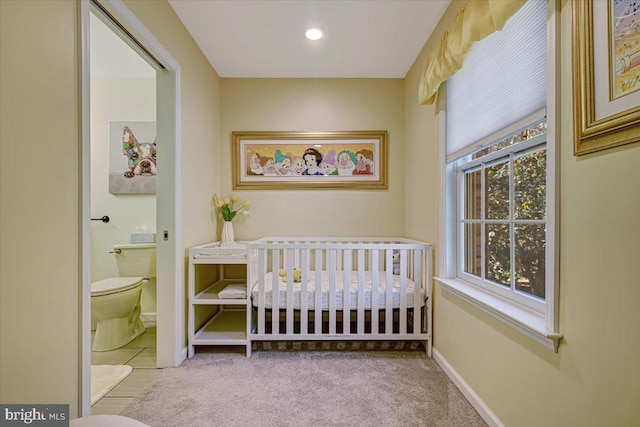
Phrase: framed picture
(306, 160)
(606, 70)
(132, 157)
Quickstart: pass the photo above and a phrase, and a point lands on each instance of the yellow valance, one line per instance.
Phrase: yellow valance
(475, 21)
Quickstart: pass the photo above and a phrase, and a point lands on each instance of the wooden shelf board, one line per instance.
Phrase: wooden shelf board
(210, 295)
(227, 327)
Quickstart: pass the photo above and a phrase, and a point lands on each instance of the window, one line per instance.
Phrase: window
(502, 217)
(499, 192)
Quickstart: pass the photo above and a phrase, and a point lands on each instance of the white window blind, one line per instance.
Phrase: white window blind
(502, 82)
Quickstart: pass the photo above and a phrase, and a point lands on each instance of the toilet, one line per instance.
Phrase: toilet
(115, 301)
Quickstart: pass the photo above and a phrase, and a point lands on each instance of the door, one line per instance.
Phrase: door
(169, 272)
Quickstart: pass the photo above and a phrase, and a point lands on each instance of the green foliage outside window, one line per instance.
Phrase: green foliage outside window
(524, 224)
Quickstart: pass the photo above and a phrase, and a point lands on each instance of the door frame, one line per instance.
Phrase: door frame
(171, 350)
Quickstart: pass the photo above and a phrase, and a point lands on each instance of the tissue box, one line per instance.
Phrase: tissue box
(143, 238)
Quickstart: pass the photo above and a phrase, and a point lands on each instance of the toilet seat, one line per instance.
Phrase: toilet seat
(114, 285)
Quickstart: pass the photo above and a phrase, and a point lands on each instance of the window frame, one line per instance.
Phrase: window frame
(506, 154)
(541, 326)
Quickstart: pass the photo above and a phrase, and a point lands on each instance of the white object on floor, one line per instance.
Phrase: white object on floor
(106, 421)
(233, 292)
(115, 305)
(115, 301)
(105, 377)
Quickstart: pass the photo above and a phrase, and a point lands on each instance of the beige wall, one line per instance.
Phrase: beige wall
(118, 99)
(594, 380)
(316, 105)
(40, 203)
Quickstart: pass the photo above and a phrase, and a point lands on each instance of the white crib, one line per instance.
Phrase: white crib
(341, 289)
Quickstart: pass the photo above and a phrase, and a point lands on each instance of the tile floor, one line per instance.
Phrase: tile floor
(140, 354)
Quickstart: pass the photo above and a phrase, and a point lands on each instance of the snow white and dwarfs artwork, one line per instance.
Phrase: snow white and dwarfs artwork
(310, 161)
(625, 49)
(323, 161)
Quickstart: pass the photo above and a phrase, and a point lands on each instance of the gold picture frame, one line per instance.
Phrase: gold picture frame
(600, 122)
(288, 160)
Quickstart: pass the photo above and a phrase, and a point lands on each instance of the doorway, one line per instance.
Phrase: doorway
(123, 211)
(160, 212)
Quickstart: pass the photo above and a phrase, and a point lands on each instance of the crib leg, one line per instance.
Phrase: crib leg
(427, 346)
(248, 349)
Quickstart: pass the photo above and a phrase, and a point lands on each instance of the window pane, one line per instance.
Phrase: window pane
(530, 185)
(506, 142)
(516, 138)
(538, 129)
(497, 190)
(473, 249)
(498, 252)
(530, 270)
(473, 195)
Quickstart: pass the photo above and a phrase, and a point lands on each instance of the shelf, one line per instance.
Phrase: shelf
(213, 253)
(227, 327)
(210, 295)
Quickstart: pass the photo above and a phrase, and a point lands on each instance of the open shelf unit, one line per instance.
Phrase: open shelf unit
(229, 325)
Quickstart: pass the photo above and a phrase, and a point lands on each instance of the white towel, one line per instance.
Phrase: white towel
(238, 291)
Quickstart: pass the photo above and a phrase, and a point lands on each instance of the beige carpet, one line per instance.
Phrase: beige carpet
(105, 377)
(304, 388)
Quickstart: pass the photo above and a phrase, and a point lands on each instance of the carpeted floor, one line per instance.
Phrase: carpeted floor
(304, 388)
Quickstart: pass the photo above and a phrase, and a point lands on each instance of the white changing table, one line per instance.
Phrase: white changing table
(230, 324)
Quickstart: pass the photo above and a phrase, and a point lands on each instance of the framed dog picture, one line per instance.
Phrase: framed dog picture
(306, 160)
(132, 158)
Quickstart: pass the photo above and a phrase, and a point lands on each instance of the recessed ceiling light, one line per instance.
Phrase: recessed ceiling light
(314, 33)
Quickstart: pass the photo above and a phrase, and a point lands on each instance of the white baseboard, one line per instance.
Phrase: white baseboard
(148, 319)
(487, 415)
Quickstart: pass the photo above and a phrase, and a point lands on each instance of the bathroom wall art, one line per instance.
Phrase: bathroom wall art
(132, 157)
(309, 160)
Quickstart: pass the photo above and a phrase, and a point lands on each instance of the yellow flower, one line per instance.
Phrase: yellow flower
(247, 205)
(226, 209)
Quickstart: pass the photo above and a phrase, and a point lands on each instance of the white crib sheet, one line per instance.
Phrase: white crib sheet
(311, 286)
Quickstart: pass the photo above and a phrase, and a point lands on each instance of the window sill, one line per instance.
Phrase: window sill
(528, 322)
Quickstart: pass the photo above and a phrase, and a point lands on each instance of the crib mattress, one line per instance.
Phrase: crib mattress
(381, 294)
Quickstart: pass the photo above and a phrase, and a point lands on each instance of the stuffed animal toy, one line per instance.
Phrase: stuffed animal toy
(297, 274)
(396, 262)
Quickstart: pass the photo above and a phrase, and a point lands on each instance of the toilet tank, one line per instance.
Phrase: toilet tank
(136, 259)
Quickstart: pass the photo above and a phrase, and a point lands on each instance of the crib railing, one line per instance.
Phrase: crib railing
(303, 264)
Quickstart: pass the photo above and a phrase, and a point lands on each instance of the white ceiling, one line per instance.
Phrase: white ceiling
(366, 38)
